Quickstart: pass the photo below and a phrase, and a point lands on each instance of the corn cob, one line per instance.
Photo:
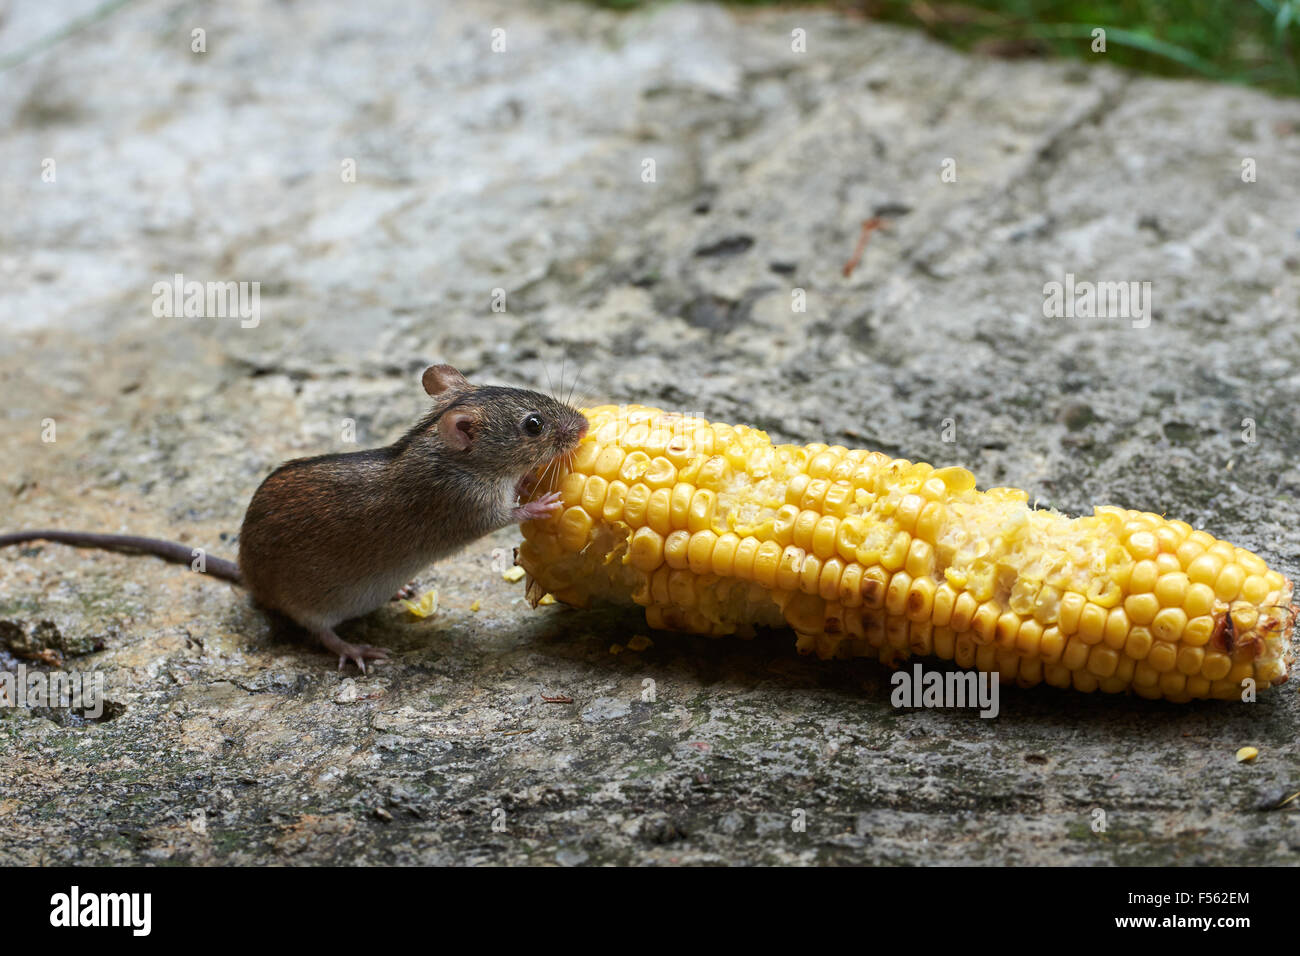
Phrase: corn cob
(713, 529)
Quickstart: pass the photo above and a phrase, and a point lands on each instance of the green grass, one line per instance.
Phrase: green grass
(1252, 42)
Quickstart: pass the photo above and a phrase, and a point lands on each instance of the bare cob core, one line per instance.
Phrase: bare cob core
(713, 529)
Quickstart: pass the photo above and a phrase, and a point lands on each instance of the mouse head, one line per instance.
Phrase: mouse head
(497, 431)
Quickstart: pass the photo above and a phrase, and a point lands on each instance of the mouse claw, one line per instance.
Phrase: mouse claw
(356, 653)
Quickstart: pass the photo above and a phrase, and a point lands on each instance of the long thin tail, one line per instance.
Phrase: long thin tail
(167, 550)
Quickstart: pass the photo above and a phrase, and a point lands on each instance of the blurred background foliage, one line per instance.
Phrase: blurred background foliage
(1252, 42)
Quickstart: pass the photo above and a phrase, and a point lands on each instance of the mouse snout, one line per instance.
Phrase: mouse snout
(575, 429)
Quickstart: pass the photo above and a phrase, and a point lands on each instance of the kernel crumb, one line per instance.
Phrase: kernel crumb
(475, 606)
(547, 599)
(639, 643)
(616, 648)
(513, 574)
(425, 605)
(1247, 754)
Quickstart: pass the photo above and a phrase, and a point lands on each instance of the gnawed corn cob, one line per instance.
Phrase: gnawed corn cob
(713, 529)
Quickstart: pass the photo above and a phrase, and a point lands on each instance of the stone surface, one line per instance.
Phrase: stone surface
(229, 742)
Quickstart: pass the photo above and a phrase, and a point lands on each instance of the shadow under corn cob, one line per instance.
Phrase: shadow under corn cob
(715, 530)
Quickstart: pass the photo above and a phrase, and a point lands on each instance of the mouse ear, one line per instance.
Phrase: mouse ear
(458, 428)
(439, 378)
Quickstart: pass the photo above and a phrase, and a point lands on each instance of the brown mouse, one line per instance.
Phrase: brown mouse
(330, 538)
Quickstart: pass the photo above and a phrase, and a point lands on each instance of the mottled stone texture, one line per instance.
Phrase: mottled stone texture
(229, 741)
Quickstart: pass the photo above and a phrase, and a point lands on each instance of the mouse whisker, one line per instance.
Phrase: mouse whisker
(550, 383)
(574, 386)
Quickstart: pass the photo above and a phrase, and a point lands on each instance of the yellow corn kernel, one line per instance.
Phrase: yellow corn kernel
(615, 497)
(909, 509)
(1076, 654)
(724, 554)
(646, 551)
(920, 558)
(746, 554)
(1141, 608)
(679, 504)
(1028, 638)
(1191, 660)
(1072, 605)
(1169, 624)
(766, 561)
(1092, 623)
(850, 593)
(1141, 545)
(1143, 577)
(1117, 628)
(944, 600)
(828, 579)
(1254, 589)
(1052, 645)
(1102, 661)
(700, 515)
(1216, 665)
(575, 527)
(634, 506)
(896, 593)
(1138, 644)
(895, 556)
(1229, 582)
(1171, 589)
(801, 533)
(985, 623)
(1005, 630)
(1198, 600)
(1205, 569)
(677, 550)
(920, 599)
(810, 575)
(1198, 631)
(699, 551)
(930, 521)
(1162, 657)
(823, 537)
(658, 512)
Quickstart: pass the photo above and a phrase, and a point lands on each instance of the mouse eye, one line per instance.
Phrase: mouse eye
(533, 425)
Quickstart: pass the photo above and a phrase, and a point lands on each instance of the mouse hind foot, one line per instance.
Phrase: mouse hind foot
(405, 593)
(356, 653)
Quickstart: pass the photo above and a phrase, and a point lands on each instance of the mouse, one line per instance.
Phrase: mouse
(334, 537)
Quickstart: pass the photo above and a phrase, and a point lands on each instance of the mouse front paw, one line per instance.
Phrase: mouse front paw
(542, 507)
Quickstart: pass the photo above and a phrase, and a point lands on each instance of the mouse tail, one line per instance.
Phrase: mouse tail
(172, 551)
